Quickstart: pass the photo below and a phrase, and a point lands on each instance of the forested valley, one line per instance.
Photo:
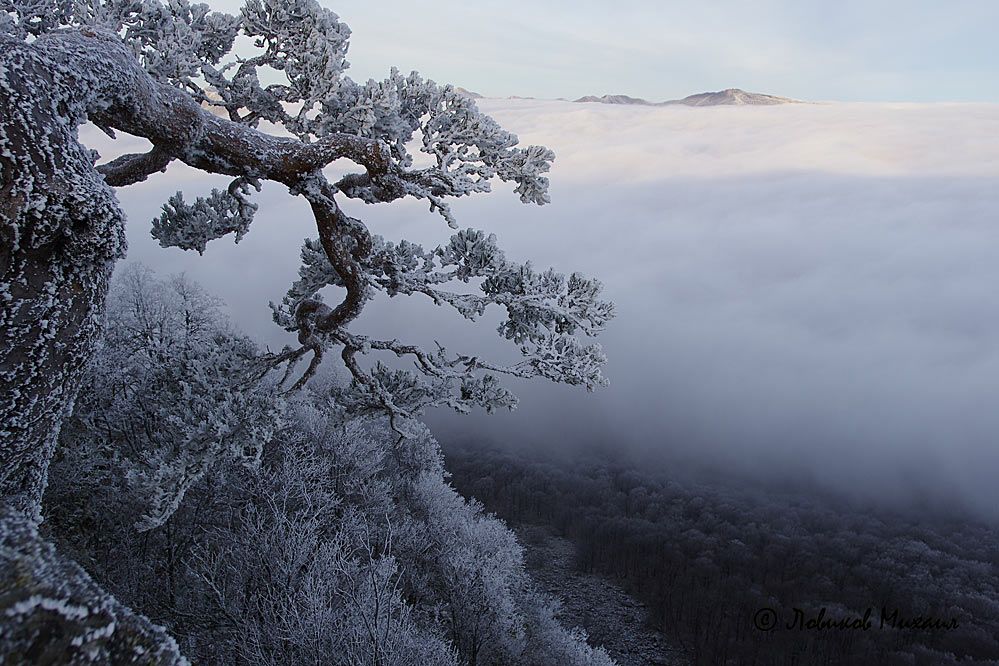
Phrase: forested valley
(708, 558)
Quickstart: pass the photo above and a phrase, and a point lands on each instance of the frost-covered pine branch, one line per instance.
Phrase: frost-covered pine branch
(545, 310)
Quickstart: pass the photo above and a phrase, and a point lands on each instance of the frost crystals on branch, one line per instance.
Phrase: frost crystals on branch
(191, 227)
(544, 312)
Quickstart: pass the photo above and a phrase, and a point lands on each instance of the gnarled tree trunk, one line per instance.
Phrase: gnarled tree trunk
(61, 230)
(60, 233)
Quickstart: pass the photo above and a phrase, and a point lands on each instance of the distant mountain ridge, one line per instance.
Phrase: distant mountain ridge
(727, 97)
(615, 99)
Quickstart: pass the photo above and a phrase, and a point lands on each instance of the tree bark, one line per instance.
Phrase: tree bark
(60, 232)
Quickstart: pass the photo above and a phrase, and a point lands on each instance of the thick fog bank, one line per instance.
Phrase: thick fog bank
(803, 291)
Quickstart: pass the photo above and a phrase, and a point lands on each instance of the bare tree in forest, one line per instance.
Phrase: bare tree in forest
(168, 73)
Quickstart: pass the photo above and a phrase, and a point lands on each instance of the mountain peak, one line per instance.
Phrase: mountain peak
(732, 97)
(613, 99)
(727, 97)
(467, 93)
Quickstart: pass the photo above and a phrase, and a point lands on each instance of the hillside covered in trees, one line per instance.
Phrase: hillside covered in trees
(312, 538)
(707, 559)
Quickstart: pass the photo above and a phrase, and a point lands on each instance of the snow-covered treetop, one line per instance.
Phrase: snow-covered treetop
(164, 64)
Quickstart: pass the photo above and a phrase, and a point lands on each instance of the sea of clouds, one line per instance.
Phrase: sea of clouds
(805, 292)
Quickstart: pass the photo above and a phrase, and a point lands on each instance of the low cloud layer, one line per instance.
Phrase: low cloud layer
(804, 291)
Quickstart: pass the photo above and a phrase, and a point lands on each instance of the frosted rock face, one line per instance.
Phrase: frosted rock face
(52, 612)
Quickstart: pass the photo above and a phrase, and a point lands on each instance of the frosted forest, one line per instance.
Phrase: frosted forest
(418, 457)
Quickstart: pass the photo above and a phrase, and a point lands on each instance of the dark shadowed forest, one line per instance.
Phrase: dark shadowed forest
(712, 562)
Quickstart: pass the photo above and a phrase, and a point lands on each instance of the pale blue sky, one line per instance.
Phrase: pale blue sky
(851, 50)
